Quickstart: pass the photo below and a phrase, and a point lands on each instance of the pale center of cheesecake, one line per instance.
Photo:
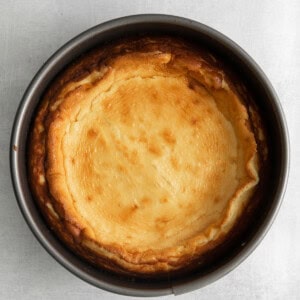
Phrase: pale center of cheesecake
(152, 162)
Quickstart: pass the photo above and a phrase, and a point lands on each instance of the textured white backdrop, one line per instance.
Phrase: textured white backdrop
(30, 31)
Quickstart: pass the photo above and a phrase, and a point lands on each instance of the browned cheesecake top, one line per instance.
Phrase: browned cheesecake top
(142, 154)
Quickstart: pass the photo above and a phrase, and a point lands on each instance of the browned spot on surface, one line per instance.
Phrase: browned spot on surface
(145, 200)
(168, 137)
(194, 122)
(161, 221)
(154, 96)
(92, 133)
(121, 168)
(15, 148)
(191, 84)
(89, 198)
(142, 138)
(163, 200)
(73, 160)
(209, 111)
(217, 199)
(128, 212)
(154, 149)
(195, 101)
(124, 109)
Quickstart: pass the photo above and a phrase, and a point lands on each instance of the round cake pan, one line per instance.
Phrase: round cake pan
(265, 98)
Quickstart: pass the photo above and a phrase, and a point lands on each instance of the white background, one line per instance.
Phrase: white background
(30, 31)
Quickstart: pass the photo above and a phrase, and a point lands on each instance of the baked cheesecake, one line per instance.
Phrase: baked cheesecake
(143, 156)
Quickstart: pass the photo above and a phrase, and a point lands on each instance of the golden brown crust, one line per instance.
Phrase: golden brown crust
(179, 87)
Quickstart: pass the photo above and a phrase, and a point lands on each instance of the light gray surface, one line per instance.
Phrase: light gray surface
(30, 31)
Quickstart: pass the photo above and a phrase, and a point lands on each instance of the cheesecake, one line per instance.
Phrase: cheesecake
(143, 155)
